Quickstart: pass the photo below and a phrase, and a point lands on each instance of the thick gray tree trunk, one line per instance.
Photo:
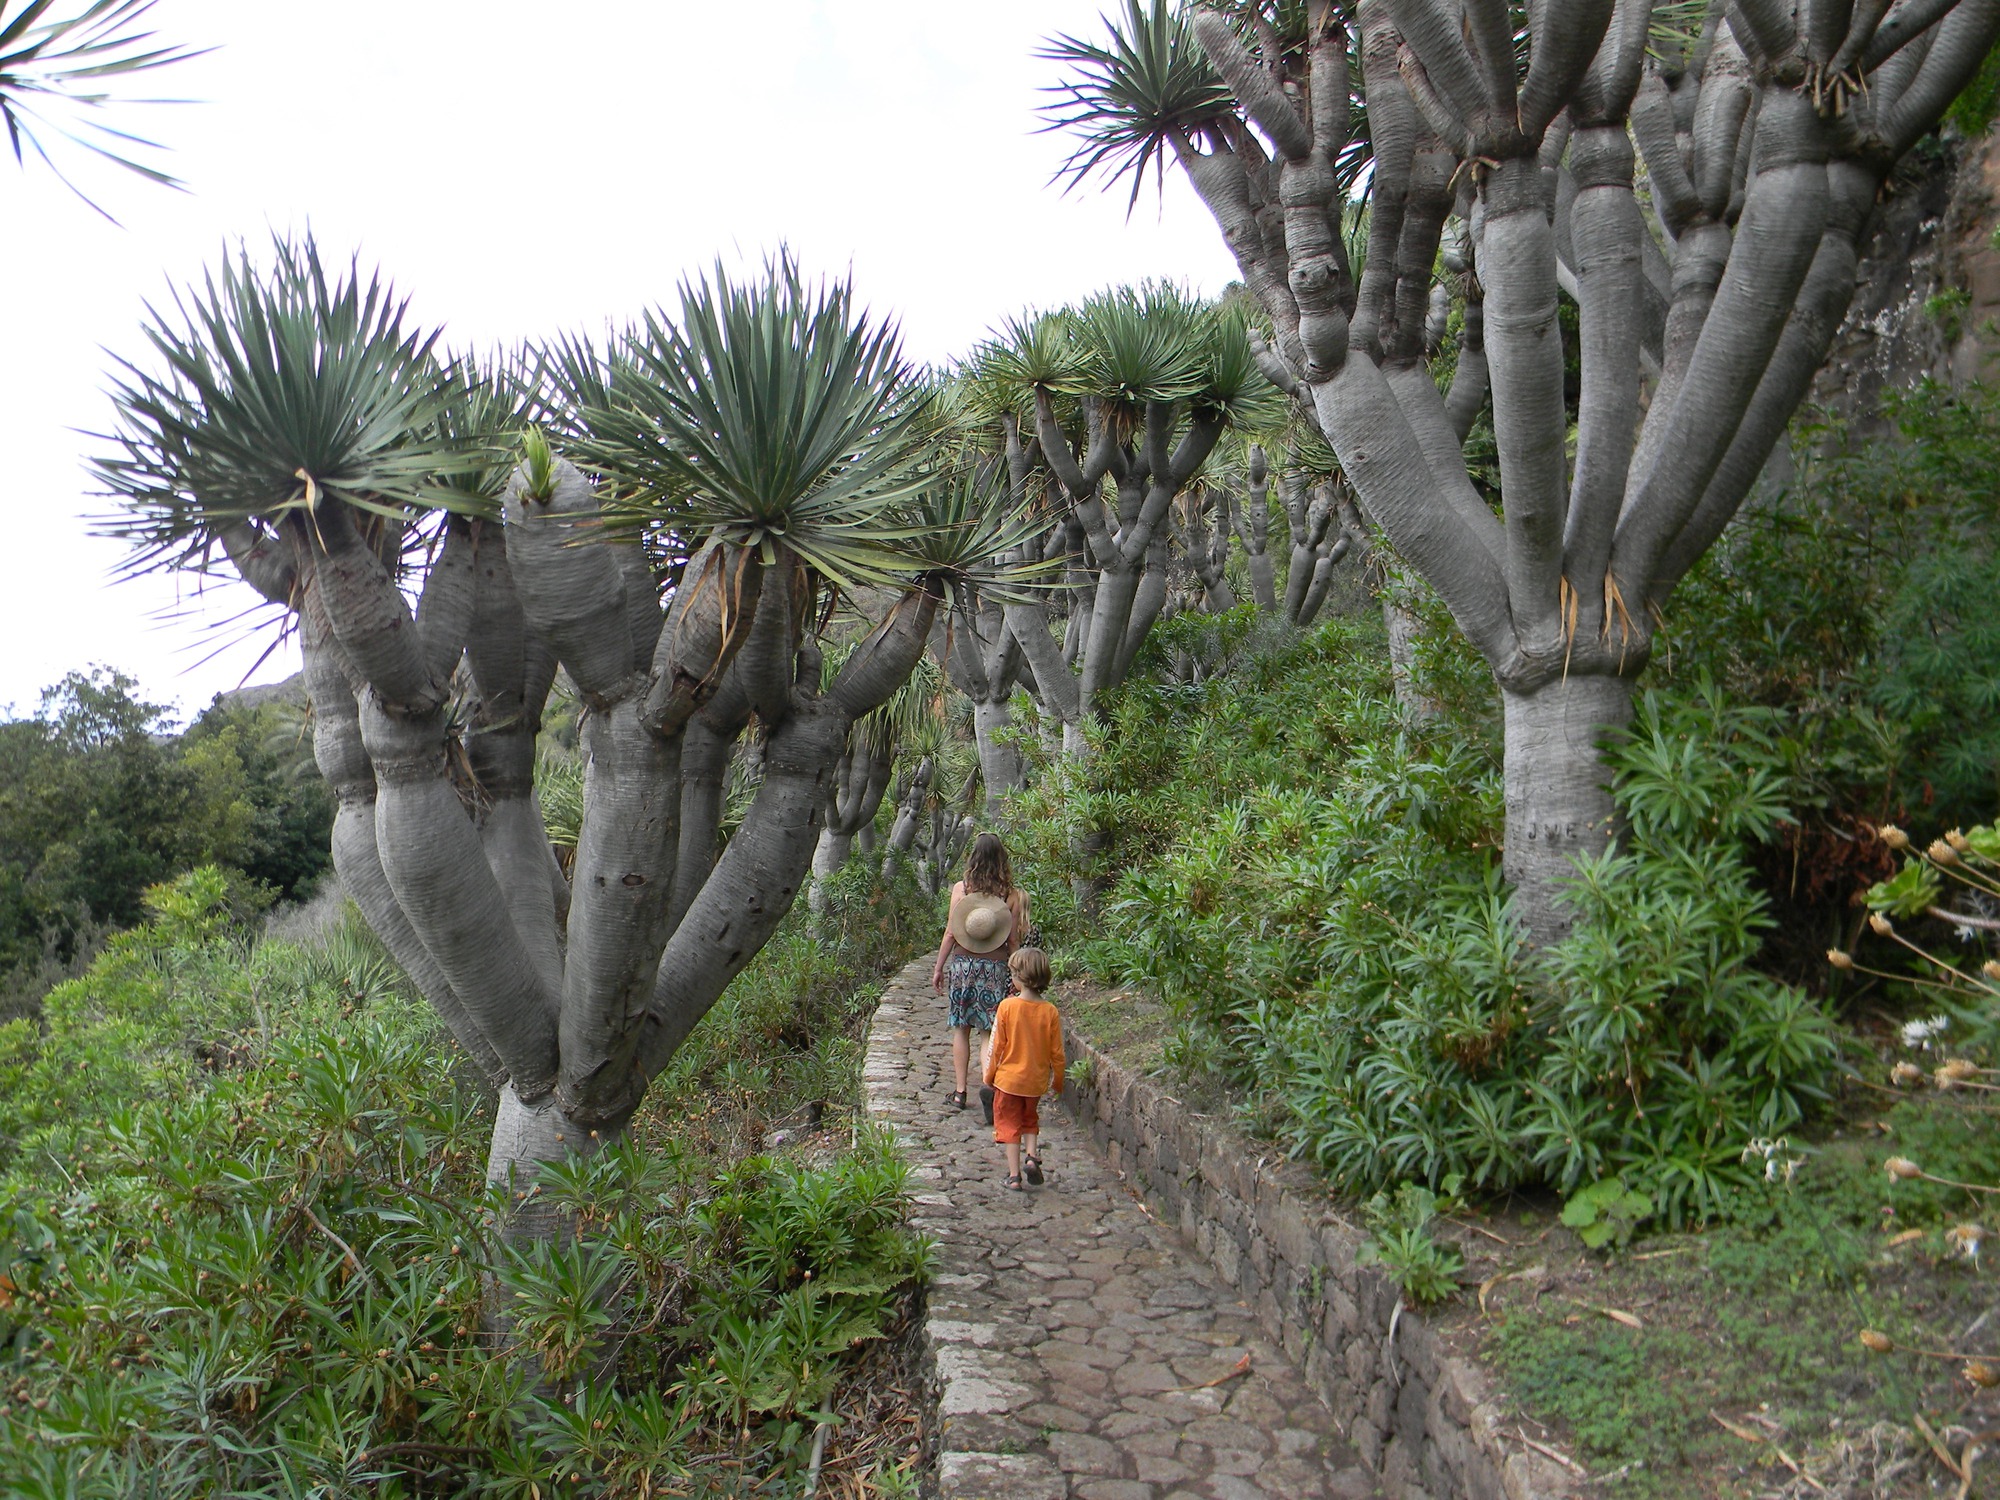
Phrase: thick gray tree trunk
(1558, 796)
(1001, 771)
(569, 1014)
(982, 657)
(859, 782)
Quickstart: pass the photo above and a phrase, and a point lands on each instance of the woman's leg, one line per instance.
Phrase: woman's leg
(961, 1055)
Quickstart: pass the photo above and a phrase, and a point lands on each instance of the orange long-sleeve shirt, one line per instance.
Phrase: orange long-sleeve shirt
(1026, 1053)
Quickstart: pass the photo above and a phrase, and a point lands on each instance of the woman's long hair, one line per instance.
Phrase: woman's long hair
(987, 868)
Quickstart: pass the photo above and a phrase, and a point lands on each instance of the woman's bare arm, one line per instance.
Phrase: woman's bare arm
(945, 945)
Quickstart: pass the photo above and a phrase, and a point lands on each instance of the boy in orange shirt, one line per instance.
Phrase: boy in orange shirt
(1024, 1060)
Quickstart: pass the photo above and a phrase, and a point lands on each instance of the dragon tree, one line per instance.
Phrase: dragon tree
(1768, 131)
(673, 547)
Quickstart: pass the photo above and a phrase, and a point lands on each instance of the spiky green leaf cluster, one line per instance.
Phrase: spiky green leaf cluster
(71, 62)
(769, 413)
(276, 390)
(1129, 98)
(1128, 348)
(962, 533)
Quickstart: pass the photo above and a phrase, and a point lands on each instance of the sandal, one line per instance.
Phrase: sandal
(1033, 1166)
(986, 1104)
(955, 1102)
(1014, 1182)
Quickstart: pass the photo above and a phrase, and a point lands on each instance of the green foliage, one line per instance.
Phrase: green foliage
(281, 388)
(69, 60)
(138, 1024)
(1400, 1242)
(1939, 674)
(1312, 885)
(1761, 1314)
(1862, 601)
(97, 802)
(1129, 99)
(245, 1246)
(768, 411)
(1606, 1212)
(1973, 110)
(1607, 1384)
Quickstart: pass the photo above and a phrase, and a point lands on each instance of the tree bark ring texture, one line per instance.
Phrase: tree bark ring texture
(1558, 796)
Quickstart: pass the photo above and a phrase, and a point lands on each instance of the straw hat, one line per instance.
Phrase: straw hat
(980, 923)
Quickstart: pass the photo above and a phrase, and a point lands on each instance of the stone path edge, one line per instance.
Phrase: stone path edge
(1428, 1423)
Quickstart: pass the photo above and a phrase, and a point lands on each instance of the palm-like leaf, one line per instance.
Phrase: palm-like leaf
(491, 403)
(69, 62)
(1139, 346)
(1129, 98)
(572, 377)
(960, 531)
(1036, 352)
(911, 712)
(280, 391)
(1231, 386)
(1309, 453)
(771, 414)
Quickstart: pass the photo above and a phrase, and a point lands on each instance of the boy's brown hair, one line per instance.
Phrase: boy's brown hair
(1030, 968)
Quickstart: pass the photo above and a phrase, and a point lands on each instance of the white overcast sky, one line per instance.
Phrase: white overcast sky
(519, 169)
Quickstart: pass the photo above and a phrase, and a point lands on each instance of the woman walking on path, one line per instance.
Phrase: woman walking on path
(989, 916)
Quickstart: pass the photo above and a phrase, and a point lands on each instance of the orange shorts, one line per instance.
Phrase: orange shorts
(1014, 1116)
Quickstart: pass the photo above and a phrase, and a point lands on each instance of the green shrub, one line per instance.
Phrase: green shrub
(1400, 1242)
(1862, 600)
(1311, 883)
(98, 801)
(249, 1251)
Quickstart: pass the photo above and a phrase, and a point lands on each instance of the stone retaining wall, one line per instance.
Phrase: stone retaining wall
(1427, 1422)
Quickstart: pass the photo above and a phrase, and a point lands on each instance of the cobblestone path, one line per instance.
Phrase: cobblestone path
(1079, 1348)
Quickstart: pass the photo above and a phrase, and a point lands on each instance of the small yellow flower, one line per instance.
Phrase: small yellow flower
(1881, 1343)
(1879, 924)
(1894, 837)
(1979, 1373)
(1942, 853)
(1907, 1076)
(1902, 1167)
(1958, 841)
(1839, 959)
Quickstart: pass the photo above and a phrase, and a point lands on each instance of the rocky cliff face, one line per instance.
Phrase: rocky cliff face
(1928, 304)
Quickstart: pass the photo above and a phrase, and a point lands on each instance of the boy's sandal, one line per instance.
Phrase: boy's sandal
(955, 1101)
(1033, 1167)
(1014, 1181)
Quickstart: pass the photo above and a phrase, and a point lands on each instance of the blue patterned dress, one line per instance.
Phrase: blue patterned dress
(976, 983)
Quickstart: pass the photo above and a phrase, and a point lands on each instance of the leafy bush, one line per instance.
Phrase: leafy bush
(245, 1245)
(98, 801)
(1312, 884)
(164, 1001)
(1862, 600)
(1400, 1242)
